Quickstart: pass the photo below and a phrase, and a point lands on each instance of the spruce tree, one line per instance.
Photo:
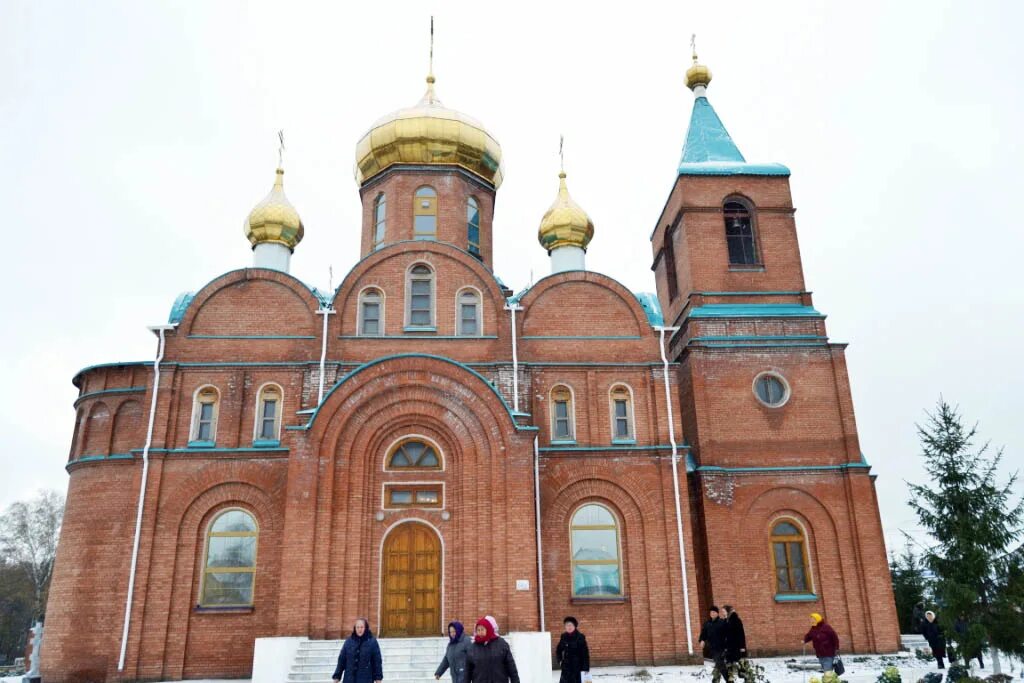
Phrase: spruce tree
(976, 526)
(908, 585)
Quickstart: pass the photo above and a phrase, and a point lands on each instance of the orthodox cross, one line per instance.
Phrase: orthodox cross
(280, 149)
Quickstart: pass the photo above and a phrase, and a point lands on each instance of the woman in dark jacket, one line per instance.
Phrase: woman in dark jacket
(572, 652)
(359, 661)
(455, 655)
(735, 637)
(490, 658)
(933, 633)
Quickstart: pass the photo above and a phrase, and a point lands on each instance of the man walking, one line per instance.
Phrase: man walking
(712, 637)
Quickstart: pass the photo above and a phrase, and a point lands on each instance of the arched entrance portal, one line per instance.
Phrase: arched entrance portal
(411, 581)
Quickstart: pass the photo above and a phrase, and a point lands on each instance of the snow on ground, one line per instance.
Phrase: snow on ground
(859, 669)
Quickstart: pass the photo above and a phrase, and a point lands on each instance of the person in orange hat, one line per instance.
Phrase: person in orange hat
(825, 641)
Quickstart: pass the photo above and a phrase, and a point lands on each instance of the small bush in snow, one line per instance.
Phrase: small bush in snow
(889, 675)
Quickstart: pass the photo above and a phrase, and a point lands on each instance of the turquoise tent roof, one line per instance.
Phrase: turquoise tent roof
(709, 149)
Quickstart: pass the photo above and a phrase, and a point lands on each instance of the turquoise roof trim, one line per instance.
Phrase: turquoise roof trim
(652, 307)
(710, 150)
(754, 311)
(179, 307)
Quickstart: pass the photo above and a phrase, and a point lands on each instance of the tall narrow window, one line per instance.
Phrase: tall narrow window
(468, 314)
(562, 417)
(379, 220)
(622, 414)
(473, 226)
(424, 211)
(229, 572)
(789, 556)
(670, 263)
(739, 234)
(371, 313)
(421, 296)
(204, 416)
(596, 566)
(268, 413)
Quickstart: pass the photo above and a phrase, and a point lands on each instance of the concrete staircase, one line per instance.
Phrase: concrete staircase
(406, 660)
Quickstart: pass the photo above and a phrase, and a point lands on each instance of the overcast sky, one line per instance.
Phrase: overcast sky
(136, 136)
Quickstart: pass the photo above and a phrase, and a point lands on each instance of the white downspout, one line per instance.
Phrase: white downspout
(536, 503)
(159, 329)
(675, 487)
(325, 312)
(514, 308)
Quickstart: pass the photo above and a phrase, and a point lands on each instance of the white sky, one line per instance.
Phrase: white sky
(135, 137)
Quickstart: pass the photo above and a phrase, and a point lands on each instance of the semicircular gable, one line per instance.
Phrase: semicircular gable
(582, 302)
(252, 302)
(393, 260)
(455, 386)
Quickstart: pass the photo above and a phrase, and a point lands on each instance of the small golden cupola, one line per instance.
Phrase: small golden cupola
(274, 228)
(429, 134)
(565, 231)
(698, 75)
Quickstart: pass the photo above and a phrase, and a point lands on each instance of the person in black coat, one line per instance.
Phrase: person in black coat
(360, 661)
(490, 658)
(572, 652)
(933, 633)
(918, 618)
(712, 637)
(735, 637)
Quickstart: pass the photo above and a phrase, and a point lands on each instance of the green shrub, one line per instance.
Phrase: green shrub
(889, 675)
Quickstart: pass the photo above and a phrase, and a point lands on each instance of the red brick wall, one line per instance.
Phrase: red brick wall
(453, 188)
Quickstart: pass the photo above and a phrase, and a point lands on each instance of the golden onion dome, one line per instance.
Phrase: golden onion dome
(429, 134)
(274, 219)
(698, 74)
(565, 224)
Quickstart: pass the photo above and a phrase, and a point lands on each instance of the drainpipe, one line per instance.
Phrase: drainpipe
(325, 312)
(513, 309)
(675, 487)
(160, 330)
(536, 503)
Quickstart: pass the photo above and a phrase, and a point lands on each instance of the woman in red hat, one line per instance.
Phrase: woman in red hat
(490, 658)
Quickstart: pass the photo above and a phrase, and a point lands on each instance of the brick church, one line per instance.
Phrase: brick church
(424, 444)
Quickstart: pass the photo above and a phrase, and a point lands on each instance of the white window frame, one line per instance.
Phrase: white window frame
(479, 312)
(433, 296)
(359, 310)
(197, 414)
(257, 434)
(571, 411)
(630, 413)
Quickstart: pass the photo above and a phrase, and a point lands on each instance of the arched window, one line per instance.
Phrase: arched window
(424, 210)
(97, 431)
(379, 220)
(670, 262)
(413, 455)
(789, 558)
(371, 313)
(204, 416)
(229, 572)
(563, 418)
(268, 413)
(596, 564)
(468, 314)
(421, 296)
(622, 413)
(473, 226)
(739, 234)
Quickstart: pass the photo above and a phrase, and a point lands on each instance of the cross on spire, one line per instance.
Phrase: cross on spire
(431, 71)
(693, 46)
(561, 155)
(280, 149)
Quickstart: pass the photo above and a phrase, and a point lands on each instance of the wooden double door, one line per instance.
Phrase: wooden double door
(411, 582)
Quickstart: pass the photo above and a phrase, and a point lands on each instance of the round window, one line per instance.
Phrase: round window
(771, 389)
